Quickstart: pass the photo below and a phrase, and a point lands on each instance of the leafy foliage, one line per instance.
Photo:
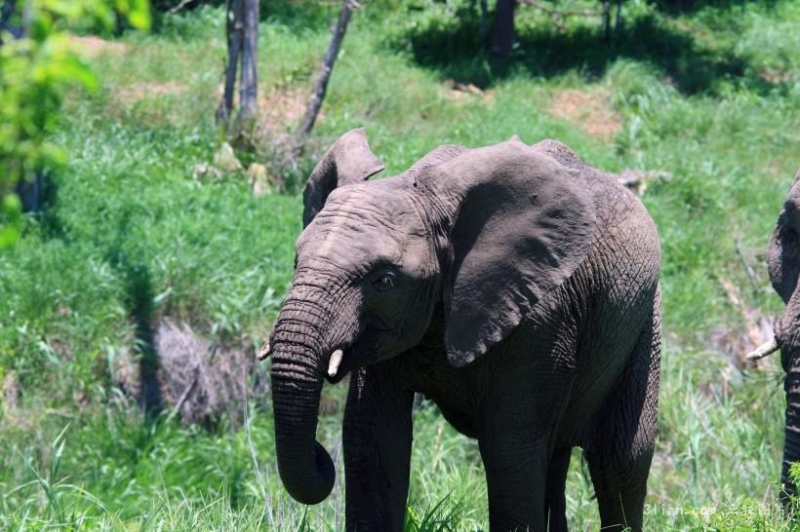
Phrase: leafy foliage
(34, 72)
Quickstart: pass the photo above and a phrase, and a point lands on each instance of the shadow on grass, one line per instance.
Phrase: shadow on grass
(139, 302)
(453, 50)
(139, 299)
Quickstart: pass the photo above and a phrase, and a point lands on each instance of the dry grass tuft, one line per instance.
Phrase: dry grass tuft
(589, 109)
(200, 379)
(138, 92)
(91, 47)
(736, 344)
(462, 92)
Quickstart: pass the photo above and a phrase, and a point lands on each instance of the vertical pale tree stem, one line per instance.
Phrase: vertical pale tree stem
(234, 32)
(606, 20)
(249, 84)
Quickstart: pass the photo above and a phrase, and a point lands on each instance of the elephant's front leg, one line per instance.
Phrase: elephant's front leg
(377, 451)
(524, 473)
(515, 475)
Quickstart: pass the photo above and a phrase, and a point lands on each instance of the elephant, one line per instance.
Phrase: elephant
(514, 286)
(783, 262)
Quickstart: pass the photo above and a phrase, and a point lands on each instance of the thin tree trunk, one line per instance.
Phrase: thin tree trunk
(321, 86)
(606, 20)
(248, 97)
(6, 10)
(501, 39)
(234, 31)
(482, 30)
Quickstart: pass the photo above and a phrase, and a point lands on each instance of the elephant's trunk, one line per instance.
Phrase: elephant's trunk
(298, 362)
(791, 446)
(788, 336)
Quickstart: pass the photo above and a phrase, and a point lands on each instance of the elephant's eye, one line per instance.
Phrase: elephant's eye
(384, 282)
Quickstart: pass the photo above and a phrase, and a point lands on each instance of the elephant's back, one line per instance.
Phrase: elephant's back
(625, 253)
(616, 292)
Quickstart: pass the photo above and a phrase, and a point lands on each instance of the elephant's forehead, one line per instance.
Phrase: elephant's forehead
(382, 201)
(361, 227)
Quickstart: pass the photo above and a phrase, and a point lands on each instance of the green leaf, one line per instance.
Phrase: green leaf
(9, 235)
(12, 207)
(12, 213)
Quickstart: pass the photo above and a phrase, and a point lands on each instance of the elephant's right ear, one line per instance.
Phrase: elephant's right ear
(348, 161)
(520, 225)
(783, 255)
(560, 152)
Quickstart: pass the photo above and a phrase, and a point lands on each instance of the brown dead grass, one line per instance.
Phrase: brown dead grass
(200, 378)
(756, 329)
(133, 94)
(282, 107)
(588, 109)
(89, 46)
(777, 77)
(464, 92)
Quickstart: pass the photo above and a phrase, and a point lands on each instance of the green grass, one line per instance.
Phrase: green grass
(710, 96)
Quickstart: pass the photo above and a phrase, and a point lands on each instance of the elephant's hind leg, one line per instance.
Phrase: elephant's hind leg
(620, 449)
(555, 499)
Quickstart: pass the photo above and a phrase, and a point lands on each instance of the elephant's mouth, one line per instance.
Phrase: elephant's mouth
(366, 349)
(338, 366)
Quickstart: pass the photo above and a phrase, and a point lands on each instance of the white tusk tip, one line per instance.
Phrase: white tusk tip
(764, 350)
(335, 362)
(265, 352)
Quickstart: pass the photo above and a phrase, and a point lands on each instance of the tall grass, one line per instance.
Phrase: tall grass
(711, 97)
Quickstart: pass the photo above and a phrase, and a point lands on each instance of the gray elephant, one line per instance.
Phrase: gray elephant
(783, 260)
(514, 286)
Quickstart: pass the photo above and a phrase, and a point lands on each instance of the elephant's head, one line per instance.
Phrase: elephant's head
(481, 234)
(784, 267)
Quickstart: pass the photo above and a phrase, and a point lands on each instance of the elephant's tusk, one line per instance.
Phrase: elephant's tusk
(764, 350)
(336, 360)
(265, 352)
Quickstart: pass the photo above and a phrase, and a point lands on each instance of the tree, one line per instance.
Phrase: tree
(242, 34)
(325, 71)
(502, 36)
(36, 63)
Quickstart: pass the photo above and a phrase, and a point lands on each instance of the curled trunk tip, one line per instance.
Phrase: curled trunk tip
(310, 490)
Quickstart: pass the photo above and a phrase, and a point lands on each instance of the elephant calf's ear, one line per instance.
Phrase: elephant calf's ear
(524, 224)
(783, 255)
(560, 152)
(348, 161)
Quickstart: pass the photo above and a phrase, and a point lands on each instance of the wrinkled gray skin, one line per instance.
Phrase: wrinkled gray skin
(515, 287)
(783, 259)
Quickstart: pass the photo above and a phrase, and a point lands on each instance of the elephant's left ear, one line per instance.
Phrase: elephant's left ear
(522, 224)
(349, 160)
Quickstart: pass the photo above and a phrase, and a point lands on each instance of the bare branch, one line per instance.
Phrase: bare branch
(187, 391)
(180, 6)
(636, 180)
(751, 274)
(559, 12)
(321, 86)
